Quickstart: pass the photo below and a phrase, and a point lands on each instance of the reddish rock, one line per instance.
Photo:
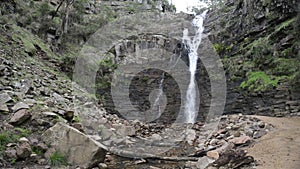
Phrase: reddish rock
(240, 140)
(213, 154)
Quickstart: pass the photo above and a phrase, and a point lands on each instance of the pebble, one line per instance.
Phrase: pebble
(23, 139)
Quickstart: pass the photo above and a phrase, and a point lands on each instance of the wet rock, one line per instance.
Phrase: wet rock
(240, 140)
(19, 106)
(23, 150)
(79, 149)
(20, 117)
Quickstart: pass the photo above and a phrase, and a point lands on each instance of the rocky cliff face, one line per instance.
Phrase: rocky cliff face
(257, 41)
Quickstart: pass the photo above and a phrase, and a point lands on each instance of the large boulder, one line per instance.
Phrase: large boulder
(78, 148)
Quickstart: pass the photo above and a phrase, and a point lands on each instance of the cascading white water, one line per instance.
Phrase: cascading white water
(190, 113)
(156, 105)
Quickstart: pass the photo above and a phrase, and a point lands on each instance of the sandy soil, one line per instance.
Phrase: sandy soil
(279, 149)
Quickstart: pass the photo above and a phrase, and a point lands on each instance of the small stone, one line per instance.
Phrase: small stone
(69, 115)
(237, 134)
(34, 157)
(42, 162)
(95, 137)
(102, 121)
(34, 141)
(261, 124)
(23, 139)
(225, 147)
(190, 136)
(235, 127)
(141, 161)
(222, 131)
(156, 137)
(11, 145)
(258, 134)
(11, 153)
(126, 131)
(105, 133)
(213, 154)
(249, 132)
(58, 98)
(152, 167)
(20, 117)
(213, 142)
(50, 114)
(240, 140)
(47, 167)
(220, 136)
(42, 146)
(203, 162)
(78, 126)
(230, 137)
(24, 151)
(19, 106)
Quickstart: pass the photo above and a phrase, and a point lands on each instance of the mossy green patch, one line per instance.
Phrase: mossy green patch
(285, 66)
(11, 137)
(285, 24)
(30, 42)
(259, 81)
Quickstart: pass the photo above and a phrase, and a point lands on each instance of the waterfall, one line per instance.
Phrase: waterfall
(190, 113)
(156, 105)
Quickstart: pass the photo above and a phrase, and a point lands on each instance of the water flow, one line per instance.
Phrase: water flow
(156, 105)
(190, 113)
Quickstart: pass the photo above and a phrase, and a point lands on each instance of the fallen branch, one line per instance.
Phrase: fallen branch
(136, 155)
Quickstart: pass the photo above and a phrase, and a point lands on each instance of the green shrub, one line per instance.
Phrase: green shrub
(57, 159)
(7, 137)
(259, 81)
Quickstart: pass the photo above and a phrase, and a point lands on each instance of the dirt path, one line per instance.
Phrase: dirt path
(279, 149)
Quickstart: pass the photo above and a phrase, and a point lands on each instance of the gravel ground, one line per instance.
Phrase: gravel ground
(279, 149)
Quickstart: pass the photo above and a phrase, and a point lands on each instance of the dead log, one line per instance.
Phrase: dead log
(137, 155)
